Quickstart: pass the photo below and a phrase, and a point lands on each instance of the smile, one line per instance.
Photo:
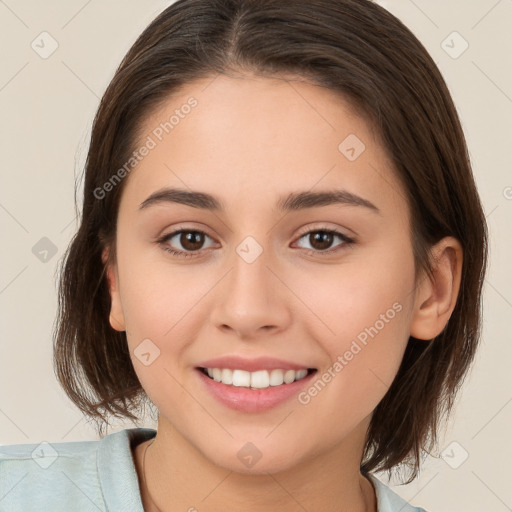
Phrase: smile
(260, 379)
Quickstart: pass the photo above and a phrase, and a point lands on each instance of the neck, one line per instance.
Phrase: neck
(180, 478)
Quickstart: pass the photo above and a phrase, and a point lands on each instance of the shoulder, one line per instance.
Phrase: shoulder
(72, 476)
(390, 501)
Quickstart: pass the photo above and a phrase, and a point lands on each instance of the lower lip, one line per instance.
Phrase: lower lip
(253, 400)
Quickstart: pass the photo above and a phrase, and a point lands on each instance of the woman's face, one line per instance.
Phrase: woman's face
(256, 284)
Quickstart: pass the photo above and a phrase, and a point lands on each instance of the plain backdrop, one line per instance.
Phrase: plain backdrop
(47, 103)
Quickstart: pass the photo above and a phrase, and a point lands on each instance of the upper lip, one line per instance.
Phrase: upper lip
(252, 365)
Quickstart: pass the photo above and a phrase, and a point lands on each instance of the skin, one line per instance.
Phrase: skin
(264, 138)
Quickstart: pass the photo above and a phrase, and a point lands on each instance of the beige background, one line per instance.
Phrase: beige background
(47, 106)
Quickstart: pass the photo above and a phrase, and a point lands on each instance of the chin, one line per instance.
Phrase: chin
(254, 458)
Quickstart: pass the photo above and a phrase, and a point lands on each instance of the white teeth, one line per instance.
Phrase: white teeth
(276, 377)
(260, 379)
(241, 378)
(289, 376)
(300, 374)
(227, 376)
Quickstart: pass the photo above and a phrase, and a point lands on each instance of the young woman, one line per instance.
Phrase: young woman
(282, 249)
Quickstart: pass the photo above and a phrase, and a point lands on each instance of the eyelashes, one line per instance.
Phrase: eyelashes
(198, 236)
(184, 254)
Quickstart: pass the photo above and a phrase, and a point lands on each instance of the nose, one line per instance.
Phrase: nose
(252, 300)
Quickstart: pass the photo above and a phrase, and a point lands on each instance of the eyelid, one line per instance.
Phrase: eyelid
(325, 227)
(347, 240)
(163, 239)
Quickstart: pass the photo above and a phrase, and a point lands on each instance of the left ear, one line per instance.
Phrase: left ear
(436, 296)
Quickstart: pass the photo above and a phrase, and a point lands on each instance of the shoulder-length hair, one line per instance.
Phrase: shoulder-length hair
(355, 48)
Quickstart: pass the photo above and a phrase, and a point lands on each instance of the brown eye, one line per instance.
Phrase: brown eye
(189, 242)
(321, 240)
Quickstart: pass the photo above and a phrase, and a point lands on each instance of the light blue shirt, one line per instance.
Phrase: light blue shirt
(96, 476)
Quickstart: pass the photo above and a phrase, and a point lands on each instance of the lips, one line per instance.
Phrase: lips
(253, 385)
(253, 400)
(252, 365)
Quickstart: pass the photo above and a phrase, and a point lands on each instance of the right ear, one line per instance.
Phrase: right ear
(116, 317)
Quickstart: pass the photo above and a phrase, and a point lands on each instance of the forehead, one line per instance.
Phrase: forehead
(250, 138)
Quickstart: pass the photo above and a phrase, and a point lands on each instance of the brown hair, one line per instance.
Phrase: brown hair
(355, 48)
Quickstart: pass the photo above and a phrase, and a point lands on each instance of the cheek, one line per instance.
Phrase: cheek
(164, 309)
(154, 294)
(155, 306)
(151, 305)
(352, 296)
(365, 311)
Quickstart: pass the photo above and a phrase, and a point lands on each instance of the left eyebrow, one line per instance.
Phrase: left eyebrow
(307, 199)
(292, 202)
